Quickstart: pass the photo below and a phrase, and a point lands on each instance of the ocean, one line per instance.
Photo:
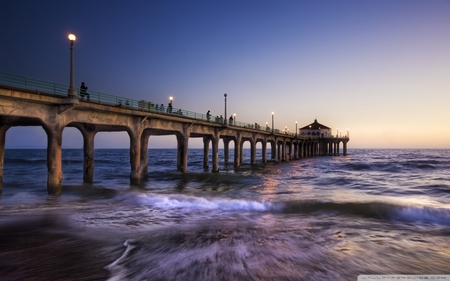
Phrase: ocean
(374, 211)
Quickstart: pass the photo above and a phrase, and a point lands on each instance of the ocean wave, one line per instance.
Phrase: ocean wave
(375, 210)
(200, 203)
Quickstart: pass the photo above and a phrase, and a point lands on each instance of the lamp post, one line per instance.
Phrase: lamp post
(337, 132)
(170, 100)
(273, 130)
(72, 92)
(348, 133)
(234, 118)
(295, 128)
(225, 119)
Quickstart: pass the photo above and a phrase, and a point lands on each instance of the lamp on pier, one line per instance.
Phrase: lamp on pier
(337, 132)
(348, 133)
(273, 130)
(295, 128)
(234, 118)
(170, 100)
(225, 119)
(72, 92)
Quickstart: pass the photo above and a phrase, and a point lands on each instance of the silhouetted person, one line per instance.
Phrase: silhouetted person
(161, 108)
(231, 120)
(83, 91)
(208, 115)
(169, 108)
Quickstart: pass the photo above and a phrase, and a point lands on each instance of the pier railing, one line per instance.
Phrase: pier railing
(102, 98)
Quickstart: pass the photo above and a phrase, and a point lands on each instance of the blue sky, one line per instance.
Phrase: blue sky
(378, 68)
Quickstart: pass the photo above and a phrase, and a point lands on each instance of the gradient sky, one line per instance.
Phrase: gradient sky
(378, 68)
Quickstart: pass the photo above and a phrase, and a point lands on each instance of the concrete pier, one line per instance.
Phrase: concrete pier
(21, 107)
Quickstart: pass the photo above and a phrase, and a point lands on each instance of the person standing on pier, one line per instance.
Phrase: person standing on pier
(208, 115)
(83, 91)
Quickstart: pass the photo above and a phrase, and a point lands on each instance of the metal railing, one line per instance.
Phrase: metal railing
(102, 98)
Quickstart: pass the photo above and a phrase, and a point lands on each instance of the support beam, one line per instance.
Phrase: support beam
(135, 153)
(54, 166)
(226, 150)
(215, 154)
(88, 155)
(3, 129)
(144, 153)
(182, 148)
(237, 151)
(264, 151)
(252, 151)
(273, 150)
(344, 148)
(206, 141)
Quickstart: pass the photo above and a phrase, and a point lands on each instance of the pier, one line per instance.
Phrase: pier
(29, 102)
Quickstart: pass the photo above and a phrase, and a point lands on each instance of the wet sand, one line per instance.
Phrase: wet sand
(45, 248)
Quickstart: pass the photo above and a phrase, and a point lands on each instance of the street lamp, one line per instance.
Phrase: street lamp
(348, 133)
(295, 128)
(72, 92)
(234, 118)
(170, 100)
(225, 119)
(273, 130)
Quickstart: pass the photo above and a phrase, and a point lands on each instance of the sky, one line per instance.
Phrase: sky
(378, 70)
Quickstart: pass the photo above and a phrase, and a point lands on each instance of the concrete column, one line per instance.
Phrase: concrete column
(226, 150)
(283, 151)
(296, 150)
(279, 155)
(54, 165)
(88, 154)
(273, 150)
(215, 153)
(182, 152)
(264, 151)
(135, 132)
(182, 148)
(206, 152)
(144, 153)
(344, 148)
(337, 148)
(3, 129)
(291, 153)
(241, 153)
(237, 150)
(252, 152)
